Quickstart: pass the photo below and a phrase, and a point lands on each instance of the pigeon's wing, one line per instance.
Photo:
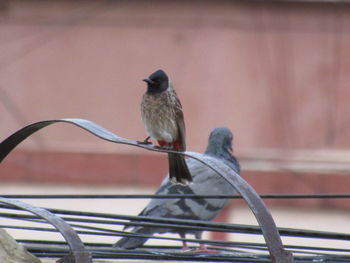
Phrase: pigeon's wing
(205, 181)
(168, 207)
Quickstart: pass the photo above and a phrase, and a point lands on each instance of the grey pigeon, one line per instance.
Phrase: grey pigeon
(205, 181)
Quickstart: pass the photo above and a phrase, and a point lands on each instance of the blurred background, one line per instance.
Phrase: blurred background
(275, 72)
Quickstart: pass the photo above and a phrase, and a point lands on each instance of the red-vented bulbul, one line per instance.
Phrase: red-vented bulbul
(163, 118)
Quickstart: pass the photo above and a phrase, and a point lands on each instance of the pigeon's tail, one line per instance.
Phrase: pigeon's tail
(178, 170)
(134, 242)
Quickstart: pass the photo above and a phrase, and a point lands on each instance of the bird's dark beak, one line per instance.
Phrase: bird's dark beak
(147, 80)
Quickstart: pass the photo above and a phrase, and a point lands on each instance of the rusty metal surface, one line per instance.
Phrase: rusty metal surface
(78, 252)
(273, 241)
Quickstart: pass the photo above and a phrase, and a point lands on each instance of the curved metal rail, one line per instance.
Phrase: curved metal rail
(273, 241)
(79, 254)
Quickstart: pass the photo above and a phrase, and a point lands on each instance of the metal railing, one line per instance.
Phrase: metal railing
(79, 253)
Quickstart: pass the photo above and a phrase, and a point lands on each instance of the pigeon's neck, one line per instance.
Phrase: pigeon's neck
(219, 152)
(216, 149)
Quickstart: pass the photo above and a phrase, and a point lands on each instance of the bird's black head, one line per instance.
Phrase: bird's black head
(157, 82)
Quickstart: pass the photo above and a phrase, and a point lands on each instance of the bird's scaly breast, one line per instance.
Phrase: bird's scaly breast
(158, 116)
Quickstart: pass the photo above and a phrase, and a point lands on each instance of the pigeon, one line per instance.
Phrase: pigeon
(162, 115)
(205, 181)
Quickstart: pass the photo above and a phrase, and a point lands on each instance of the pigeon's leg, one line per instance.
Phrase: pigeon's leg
(145, 141)
(202, 247)
(184, 243)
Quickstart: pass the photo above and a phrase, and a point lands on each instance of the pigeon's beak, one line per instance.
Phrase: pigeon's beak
(147, 80)
(230, 149)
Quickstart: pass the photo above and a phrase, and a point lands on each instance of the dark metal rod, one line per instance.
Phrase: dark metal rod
(143, 196)
(217, 243)
(178, 223)
(98, 248)
(107, 248)
(203, 227)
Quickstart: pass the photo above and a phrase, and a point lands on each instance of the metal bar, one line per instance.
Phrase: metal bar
(277, 252)
(180, 223)
(250, 245)
(242, 248)
(78, 251)
(170, 196)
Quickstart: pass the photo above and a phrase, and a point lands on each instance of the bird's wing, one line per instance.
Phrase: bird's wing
(205, 181)
(181, 130)
(180, 122)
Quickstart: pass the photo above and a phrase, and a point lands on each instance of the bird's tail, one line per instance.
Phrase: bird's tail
(178, 170)
(134, 242)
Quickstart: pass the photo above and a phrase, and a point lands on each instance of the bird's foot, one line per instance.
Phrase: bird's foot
(206, 251)
(145, 141)
(202, 249)
(185, 246)
(163, 147)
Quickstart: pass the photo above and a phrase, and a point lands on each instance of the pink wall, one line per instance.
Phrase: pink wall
(275, 73)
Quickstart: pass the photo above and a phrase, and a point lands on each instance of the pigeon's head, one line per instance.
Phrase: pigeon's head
(220, 140)
(157, 82)
(220, 146)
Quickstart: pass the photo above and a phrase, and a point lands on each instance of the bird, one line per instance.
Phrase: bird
(163, 118)
(205, 181)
